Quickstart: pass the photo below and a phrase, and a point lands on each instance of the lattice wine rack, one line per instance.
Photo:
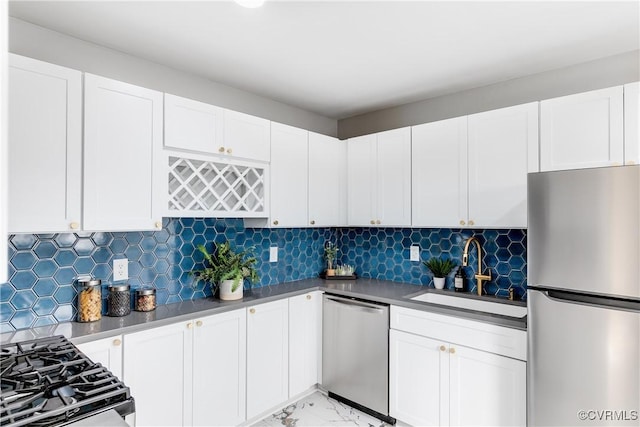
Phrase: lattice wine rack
(212, 188)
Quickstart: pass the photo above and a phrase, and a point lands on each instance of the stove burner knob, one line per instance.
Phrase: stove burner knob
(117, 342)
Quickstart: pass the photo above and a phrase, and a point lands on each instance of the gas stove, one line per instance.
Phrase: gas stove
(49, 382)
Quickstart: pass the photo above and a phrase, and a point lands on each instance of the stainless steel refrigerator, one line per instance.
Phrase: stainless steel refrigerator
(584, 297)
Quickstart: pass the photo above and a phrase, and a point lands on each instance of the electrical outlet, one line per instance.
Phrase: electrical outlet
(120, 269)
(414, 253)
(273, 254)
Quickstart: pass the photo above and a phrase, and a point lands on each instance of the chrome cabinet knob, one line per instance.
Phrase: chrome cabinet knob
(471, 222)
(74, 226)
(221, 150)
(189, 325)
(372, 222)
(252, 310)
(378, 222)
(229, 151)
(313, 222)
(199, 323)
(276, 222)
(308, 296)
(158, 224)
(462, 222)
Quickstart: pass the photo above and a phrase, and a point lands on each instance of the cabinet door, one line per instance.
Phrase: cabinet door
(289, 172)
(122, 165)
(305, 341)
(393, 180)
(158, 369)
(486, 389)
(582, 131)
(361, 181)
(439, 173)
(327, 181)
(107, 351)
(418, 379)
(267, 356)
(631, 126)
(502, 150)
(192, 125)
(246, 136)
(45, 147)
(4, 104)
(219, 368)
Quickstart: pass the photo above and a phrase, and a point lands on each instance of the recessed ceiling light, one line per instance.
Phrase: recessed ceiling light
(252, 4)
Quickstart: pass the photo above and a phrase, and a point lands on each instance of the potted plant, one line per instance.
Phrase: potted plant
(330, 254)
(227, 269)
(440, 269)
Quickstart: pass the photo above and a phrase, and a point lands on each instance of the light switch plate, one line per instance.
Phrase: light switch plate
(414, 253)
(120, 269)
(273, 254)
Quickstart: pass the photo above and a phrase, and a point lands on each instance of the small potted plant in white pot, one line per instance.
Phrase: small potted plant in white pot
(440, 269)
(227, 269)
(330, 254)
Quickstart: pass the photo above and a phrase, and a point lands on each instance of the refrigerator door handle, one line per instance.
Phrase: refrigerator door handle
(592, 300)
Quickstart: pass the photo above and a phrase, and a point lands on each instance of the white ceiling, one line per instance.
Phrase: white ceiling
(339, 58)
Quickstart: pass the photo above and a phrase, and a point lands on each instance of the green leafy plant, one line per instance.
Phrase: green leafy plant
(440, 267)
(330, 253)
(226, 264)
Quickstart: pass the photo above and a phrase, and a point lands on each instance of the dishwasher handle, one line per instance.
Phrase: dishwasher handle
(358, 304)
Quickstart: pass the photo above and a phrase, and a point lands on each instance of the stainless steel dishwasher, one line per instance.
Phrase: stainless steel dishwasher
(355, 353)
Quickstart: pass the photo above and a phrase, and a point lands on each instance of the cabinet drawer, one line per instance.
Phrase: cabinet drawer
(483, 336)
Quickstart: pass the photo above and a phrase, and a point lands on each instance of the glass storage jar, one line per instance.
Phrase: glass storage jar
(145, 299)
(89, 300)
(119, 300)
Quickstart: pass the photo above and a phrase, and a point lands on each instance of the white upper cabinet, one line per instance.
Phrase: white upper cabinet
(379, 179)
(439, 173)
(246, 136)
(45, 147)
(122, 162)
(327, 181)
(192, 125)
(472, 171)
(631, 127)
(4, 104)
(503, 148)
(361, 176)
(289, 172)
(582, 131)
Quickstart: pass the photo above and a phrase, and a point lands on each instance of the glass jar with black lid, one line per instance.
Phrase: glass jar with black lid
(119, 300)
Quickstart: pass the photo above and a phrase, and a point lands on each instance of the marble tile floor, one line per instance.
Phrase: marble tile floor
(317, 410)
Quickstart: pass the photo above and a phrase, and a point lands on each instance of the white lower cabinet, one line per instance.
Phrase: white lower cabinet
(267, 356)
(158, 369)
(107, 351)
(189, 373)
(305, 342)
(435, 382)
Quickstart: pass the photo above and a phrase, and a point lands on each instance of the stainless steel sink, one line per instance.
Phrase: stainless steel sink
(473, 304)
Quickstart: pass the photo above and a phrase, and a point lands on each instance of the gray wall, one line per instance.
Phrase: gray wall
(40, 43)
(606, 72)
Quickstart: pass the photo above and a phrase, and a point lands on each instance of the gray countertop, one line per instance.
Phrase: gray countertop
(371, 289)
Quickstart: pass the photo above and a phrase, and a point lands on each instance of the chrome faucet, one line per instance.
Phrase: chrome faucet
(465, 262)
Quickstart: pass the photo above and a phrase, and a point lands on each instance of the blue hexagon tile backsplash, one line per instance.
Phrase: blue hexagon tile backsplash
(43, 267)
